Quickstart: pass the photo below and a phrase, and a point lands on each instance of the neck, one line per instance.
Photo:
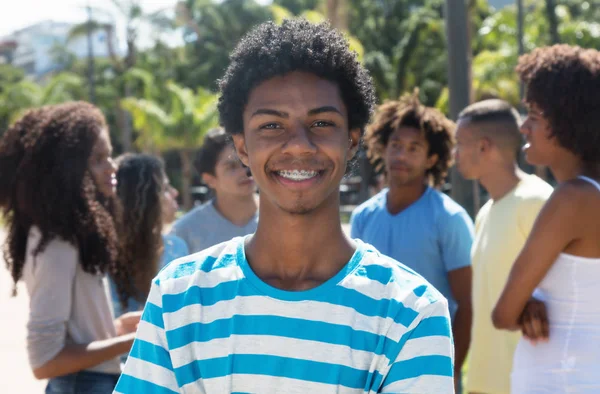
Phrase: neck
(237, 209)
(401, 196)
(568, 168)
(299, 251)
(502, 179)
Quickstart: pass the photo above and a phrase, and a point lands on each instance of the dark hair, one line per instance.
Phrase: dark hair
(496, 112)
(214, 143)
(297, 45)
(409, 112)
(54, 191)
(13, 145)
(140, 184)
(564, 82)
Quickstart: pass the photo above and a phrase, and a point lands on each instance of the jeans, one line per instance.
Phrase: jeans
(83, 382)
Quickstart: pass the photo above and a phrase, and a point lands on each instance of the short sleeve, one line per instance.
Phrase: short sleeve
(149, 368)
(50, 279)
(456, 235)
(356, 225)
(425, 362)
(528, 213)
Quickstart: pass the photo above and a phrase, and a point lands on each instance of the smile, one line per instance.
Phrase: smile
(298, 175)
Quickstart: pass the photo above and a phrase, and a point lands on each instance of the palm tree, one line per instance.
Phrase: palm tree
(18, 97)
(132, 12)
(181, 124)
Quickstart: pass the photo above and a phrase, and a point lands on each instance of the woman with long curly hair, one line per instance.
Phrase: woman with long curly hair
(560, 263)
(59, 204)
(149, 204)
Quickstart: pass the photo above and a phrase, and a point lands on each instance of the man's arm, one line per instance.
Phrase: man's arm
(456, 243)
(460, 283)
(355, 225)
(149, 368)
(425, 363)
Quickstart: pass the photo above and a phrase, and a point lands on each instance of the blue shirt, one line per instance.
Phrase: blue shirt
(433, 236)
(212, 326)
(174, 248)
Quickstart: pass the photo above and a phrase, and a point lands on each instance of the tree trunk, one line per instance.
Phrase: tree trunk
(459, 83)
(185, 156)
(552, 21)
(337, 13)
(126, 133)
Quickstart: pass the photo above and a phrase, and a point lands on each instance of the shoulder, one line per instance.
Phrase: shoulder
(575, 196)
(174, 241)
(391, 280)
(62, 252)
(370, 206)
(445, 204)
(191, 218)
(533, 188)
(447, 211)
(219, 256)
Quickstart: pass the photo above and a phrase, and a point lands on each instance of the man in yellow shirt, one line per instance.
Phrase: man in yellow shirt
(488, 142)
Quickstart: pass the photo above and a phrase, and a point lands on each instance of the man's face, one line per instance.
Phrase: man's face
(406, 157)
(467, 151)
(296, 141)
(540, 148)
(230, 176)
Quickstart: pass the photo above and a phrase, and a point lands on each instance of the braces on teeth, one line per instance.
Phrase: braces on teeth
(298, 174)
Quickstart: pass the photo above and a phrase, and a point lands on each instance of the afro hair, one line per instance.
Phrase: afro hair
(271, 50)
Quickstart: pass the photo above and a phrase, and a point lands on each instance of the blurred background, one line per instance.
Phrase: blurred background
(152, 66)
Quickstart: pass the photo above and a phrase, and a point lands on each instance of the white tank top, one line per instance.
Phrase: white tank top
(570, 360)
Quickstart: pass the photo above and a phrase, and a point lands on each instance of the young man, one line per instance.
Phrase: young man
(411, 221)
(233, 211)
(296, 307)
(487, 144)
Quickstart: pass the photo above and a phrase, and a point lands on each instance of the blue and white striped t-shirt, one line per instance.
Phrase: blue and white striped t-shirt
(212, 326)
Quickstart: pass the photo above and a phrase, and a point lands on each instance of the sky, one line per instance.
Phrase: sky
(22, 13)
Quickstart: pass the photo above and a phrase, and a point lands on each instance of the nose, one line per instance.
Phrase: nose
(174, 192)
(299, 141)
(112, 166)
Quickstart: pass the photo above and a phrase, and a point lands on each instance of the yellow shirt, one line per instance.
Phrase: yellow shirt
(501, 228)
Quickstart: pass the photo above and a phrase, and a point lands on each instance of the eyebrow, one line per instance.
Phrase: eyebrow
(267, 111)
(280, 114)
(321, 110)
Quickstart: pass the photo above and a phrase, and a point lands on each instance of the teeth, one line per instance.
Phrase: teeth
(297, 175)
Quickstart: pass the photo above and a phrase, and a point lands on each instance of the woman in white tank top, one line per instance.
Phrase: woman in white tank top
(560, 263)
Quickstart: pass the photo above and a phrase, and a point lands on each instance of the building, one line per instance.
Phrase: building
(31, 48)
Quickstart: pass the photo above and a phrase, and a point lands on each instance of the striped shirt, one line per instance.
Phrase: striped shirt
(212, 326)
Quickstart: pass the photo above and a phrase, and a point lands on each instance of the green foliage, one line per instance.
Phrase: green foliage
(180, 124)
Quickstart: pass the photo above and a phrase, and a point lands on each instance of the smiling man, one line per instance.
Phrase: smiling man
(297, 307)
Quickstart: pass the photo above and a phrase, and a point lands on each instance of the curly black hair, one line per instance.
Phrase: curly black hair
(297, 45)
(564, 82)
(53, 190)
(13, 145)
(409, 112)
(140, 185)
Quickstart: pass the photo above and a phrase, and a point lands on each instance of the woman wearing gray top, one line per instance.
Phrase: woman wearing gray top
(58, 191)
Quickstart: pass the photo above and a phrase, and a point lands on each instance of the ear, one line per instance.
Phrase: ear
(239, 142)
(432, 160)
(353, 142)
(485, 144)
(209, 180)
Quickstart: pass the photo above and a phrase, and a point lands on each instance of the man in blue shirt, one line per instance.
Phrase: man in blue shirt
(411, 221)
(297, 307)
